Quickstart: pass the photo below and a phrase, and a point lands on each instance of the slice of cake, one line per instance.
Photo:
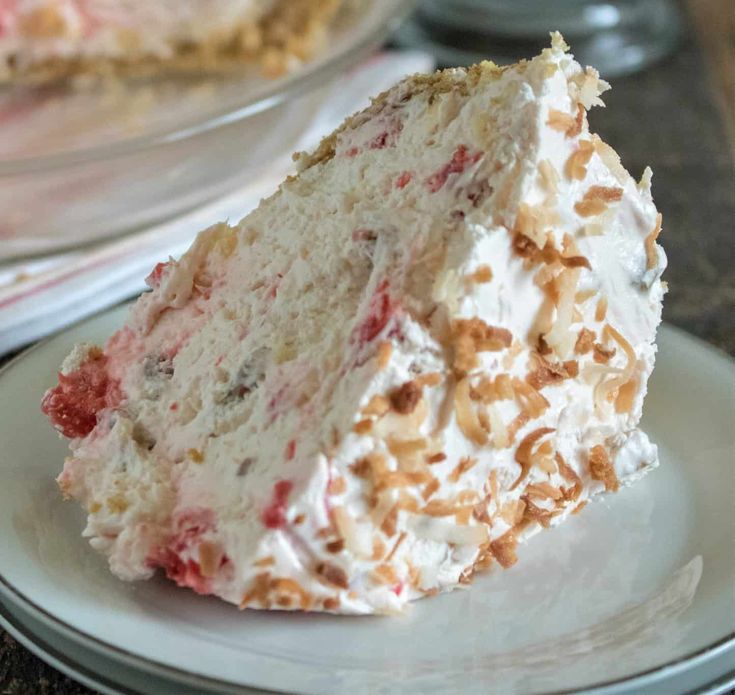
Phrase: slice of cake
(49, 39)
(430, 344)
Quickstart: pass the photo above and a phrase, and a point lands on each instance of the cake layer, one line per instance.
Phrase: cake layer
(431, 343)
(47, 39)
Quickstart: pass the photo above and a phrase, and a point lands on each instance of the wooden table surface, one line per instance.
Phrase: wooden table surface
(679, 117)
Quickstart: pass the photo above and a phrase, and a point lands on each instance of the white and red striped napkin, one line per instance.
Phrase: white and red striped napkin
(40, 296)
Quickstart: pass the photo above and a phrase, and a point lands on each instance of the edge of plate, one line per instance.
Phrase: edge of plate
(664, 670)
(54, 658)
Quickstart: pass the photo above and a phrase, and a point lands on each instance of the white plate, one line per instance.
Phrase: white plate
(634, 591)
(111, 676)
(106, 676)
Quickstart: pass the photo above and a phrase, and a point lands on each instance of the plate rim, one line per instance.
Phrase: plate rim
(51, 655)
(15, 595)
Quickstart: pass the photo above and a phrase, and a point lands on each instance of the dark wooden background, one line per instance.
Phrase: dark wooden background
(679, 118)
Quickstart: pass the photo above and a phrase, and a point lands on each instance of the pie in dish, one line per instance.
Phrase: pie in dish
(41, 40)
(431, 343)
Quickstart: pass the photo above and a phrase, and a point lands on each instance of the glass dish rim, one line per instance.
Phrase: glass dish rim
(282, 90)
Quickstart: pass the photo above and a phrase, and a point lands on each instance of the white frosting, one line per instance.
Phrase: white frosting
(253, 359)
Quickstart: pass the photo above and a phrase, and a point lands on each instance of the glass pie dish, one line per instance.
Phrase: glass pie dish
(79, 164)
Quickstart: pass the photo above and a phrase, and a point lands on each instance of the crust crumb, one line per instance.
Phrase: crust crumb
(585, 341)
(601, 468)
(405, 398)
(332, 575)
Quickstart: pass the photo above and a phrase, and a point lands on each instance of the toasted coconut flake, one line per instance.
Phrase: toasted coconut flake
(360, 468)
(258, 592)
(500, 434)
(210, 558)
(560, 338)
(558, 120)
(510, 357)
(531, 225)
(333, 575)
(601, 309)
(265, 561)
(462, 517)
(384, 574)
(336, 546)
(503, 549)
(611, 159)
(543, 490)
(407, 502)
(529, 399)
(578, 122)
(439, 507)
(569, 474)
(482, 274)
(471, 336)
(355, 541)
(609, 194)
(484, 559)
(378, 405)
(579, 507)
(525, 451)
(331, 603)
(650, 244)
(575, 167)
(431, 487)
(606, 388)
(493, 482)
(436, 458)
(548, 373)
(401, 448)
(363, 426)
(466, 416)
(378, 549)
(532, 513)
(601, 354)
(626, 396)
(445, 531)
(401, 426)
(465, 464)
(602, 469)
(504, 386)
(584, 295)
(396, 545)
(545, 463)
(388, 525)
(549, 176)
(592, 229)
(590, 208)
(398, 479)
(585, 341)
(430, 379)
(512, 512)
(406, 397)
(385, 350)
(384, 505)
(337, 486)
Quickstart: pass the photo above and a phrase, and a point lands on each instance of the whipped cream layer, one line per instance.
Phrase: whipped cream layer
(51, 32)
(431, 343)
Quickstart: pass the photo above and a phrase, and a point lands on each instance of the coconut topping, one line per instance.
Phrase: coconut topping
(398, 368)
